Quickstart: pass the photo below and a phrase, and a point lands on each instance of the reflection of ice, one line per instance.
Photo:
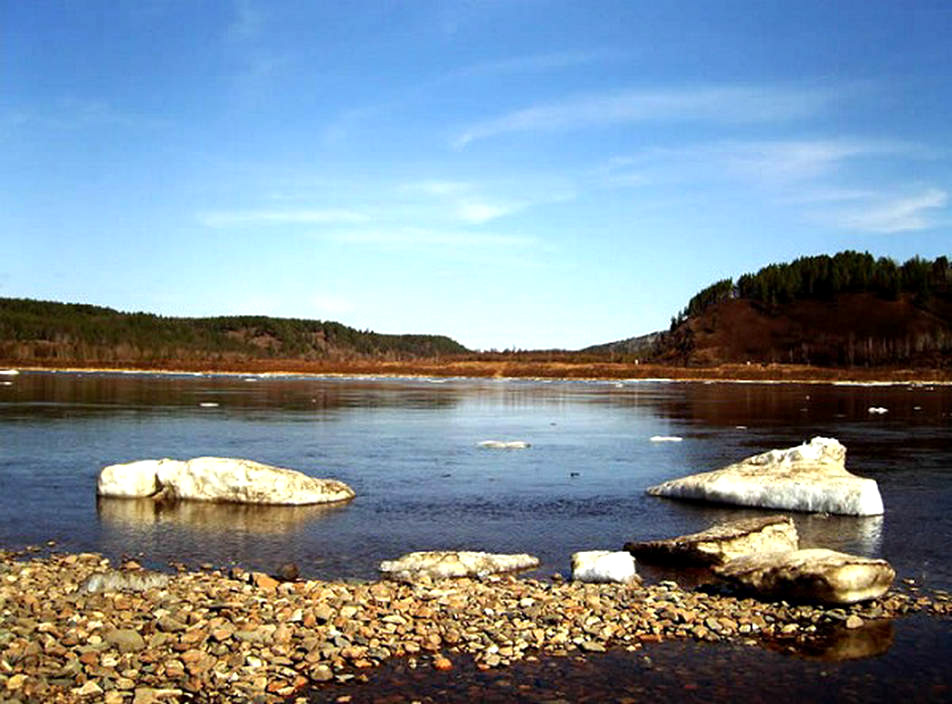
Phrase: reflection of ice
(862, 535)
(210, 517)
(872, 639)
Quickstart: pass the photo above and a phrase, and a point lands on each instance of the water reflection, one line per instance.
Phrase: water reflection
(208, 517)
(869, 640)
(863, 535)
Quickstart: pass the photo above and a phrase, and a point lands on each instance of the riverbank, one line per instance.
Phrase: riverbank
(533, 368)
(214, 635)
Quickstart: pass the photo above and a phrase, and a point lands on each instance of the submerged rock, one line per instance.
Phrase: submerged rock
(441, 564)
(816, 575)
(721, 543)
(809, 477)
(219, 479)
(603, 566)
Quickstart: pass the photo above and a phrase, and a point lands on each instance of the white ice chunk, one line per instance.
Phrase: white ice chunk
(505, 444)
(603, 566)
(810, 477)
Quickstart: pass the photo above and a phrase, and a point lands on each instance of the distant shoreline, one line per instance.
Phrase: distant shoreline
(519, 369)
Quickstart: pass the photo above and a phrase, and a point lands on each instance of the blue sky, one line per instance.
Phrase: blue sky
(518, 173)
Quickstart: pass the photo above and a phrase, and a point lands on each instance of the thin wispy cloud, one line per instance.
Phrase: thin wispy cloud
(439, 188)
(414, 237)
(778, 163)
(466, 202)
(76, 114)
(246, 218)
(897, 213)
(719, 104)
(538, 63)
(477, 212)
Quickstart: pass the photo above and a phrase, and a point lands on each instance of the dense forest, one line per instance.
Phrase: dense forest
(44, 331)
(823, 277)
(849, 309)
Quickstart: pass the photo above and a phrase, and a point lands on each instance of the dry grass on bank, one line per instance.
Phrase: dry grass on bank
(499, 366)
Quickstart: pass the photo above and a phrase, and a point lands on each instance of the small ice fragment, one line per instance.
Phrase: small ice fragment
(666, 438)
(505, 445)
(208, 404)
(878, 410)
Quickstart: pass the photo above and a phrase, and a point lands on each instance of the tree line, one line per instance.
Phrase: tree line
(31, 329)
(823, 277)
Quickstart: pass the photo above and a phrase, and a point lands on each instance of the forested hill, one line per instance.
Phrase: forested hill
(842, 310)
(45, 332)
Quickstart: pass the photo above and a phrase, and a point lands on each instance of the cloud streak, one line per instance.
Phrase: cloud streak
(720, 104)
(246, 218)
(537, 63)
(896, 214)
(422, 237)
(782, 161)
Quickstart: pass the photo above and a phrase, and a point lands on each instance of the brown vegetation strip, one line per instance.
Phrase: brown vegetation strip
(527, 365)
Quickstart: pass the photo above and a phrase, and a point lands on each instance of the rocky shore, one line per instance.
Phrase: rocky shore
(219, 635)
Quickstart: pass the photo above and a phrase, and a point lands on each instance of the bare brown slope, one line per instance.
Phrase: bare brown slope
(851, 329)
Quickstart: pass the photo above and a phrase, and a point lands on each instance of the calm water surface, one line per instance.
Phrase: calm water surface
(409, 449)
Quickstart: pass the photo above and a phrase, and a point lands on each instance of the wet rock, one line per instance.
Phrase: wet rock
(125, 640)
(816, 575)
(288, 572)
(444, 564)
(603, 566)
(809, 477)
(721, 543)
(219, 479)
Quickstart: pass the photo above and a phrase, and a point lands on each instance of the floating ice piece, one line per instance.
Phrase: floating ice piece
(666, 438)
(878, 410)
(9, 372)
(810, 477)
(504, 444)
(603, 566)
(218, 479)
(208, 404)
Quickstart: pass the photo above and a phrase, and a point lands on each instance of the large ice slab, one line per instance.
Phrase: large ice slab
(721, 543)
(811, 477)
(219, 479)
(818, 575)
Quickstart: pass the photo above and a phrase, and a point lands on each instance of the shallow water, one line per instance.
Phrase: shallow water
(410, 449)
(914, 669)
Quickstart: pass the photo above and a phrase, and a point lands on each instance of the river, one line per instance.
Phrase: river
(410, 449)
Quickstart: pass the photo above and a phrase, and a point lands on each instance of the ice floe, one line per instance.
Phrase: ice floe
(811, 477)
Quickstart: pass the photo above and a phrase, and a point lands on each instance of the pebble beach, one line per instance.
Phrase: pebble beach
(229, 635)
